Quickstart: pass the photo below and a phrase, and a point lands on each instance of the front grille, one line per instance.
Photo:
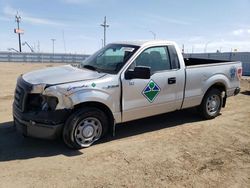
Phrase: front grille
(19, 97)
(21, 91)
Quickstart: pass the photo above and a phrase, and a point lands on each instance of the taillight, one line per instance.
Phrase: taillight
(239, 72)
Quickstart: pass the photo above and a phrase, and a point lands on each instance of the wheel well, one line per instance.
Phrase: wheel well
(100, 106)
(221, 87)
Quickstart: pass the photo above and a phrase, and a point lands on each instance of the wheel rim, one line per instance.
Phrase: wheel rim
(213, 104)
(88, 131)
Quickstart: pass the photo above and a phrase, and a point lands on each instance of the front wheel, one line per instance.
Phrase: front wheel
(211, 104)
(84, 127)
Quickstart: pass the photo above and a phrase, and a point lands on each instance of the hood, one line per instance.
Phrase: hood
(60, 75)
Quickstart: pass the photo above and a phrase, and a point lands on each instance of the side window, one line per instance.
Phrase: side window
(157, 58)
(174, 57)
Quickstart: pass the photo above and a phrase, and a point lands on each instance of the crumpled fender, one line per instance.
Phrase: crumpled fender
(92, 96)
(64, 102)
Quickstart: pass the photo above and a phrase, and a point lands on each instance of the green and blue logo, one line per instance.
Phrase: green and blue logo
(151, 91)
(233, 72)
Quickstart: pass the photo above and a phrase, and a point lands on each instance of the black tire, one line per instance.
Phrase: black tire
(88, 120)
(211, 104)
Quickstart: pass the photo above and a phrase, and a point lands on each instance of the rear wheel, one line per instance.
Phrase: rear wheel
(211, 104)
(84, 127)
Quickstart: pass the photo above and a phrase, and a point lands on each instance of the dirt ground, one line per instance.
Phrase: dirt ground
(177, 149)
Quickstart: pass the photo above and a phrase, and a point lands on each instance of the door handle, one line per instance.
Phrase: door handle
(172, 80)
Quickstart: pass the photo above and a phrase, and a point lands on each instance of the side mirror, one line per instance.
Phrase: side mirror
(140, 72)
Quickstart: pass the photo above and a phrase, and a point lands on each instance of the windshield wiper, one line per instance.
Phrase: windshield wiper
(90, 67)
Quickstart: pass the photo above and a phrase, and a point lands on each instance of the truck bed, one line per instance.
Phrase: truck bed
(200, 73)
(199, 61)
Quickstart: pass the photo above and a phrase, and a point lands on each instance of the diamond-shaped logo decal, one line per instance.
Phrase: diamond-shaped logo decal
(93, 84)
(151, 91)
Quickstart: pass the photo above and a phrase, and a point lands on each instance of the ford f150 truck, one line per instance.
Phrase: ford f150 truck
(121, 82)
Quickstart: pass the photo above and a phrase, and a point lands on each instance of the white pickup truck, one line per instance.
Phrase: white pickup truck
(121, 82)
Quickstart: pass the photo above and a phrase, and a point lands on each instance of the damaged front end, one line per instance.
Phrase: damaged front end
(39, 102)
(36, 113)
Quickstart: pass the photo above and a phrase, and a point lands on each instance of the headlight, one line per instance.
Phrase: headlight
(38, 102)
(49, 103)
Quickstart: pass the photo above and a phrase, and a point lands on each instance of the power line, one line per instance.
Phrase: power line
(105, 26)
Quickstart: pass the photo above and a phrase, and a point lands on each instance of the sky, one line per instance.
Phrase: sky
(207, 25)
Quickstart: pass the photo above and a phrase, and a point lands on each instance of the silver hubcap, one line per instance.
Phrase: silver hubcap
(88, 131)
(213, 104)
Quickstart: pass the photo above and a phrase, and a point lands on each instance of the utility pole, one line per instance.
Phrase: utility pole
(105, 26)
(193, 49)
(18, 31)
(38, 46)
(53, 45)
(64, 44)
(153, 33)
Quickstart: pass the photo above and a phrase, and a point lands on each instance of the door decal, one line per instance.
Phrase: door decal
(233, 72)
(151, 91)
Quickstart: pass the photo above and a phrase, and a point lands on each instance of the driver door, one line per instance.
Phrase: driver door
(147, 97)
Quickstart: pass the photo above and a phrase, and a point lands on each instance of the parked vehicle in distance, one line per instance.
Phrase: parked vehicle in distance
(121, 82)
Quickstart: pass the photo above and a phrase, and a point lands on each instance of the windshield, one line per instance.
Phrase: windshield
(110, 59)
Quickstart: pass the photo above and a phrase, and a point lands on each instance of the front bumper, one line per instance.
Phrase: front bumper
(38, 130)
(46, 125)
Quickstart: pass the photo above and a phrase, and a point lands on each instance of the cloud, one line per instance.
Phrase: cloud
(241, 32)
(223, 44)
(226, 42)
(77, 1)
(168, 20)
(238, 32)
(10, 12)
(34, 20)
(234, 39)
(196, 39)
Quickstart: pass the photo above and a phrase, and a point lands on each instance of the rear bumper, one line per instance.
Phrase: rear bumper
(237, 91)
(233, 91)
